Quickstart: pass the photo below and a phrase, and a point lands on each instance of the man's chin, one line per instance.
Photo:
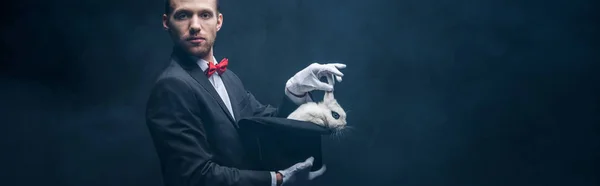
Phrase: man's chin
(198, 51)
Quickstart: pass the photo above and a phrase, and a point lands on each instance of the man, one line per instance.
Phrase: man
(195, 103)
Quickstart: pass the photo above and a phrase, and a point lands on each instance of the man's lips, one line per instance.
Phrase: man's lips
(196, 40)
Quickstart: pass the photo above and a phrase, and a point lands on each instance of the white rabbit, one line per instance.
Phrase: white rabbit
(327, 113)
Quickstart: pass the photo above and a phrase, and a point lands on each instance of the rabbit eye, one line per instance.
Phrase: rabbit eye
(335, 115)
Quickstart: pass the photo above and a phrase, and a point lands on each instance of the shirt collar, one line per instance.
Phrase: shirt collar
(203, 63)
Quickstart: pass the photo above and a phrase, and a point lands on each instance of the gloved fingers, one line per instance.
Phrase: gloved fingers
(302, 167)
(338, 78)
(323, 86)
(310, 160)
(337, 65)
(314, 174)
(306, 163)
(329, 69)
(330, 79)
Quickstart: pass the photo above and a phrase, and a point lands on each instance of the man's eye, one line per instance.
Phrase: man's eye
(181, 16)
(205, 15)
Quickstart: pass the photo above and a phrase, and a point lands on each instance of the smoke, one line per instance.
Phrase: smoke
(440, 92)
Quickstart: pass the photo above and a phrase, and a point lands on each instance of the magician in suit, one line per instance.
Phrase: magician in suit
(195, 102)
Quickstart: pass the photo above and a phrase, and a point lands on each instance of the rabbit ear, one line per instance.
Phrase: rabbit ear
(328, 96)
(330, 80)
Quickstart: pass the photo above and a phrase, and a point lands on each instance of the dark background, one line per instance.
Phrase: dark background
(485, 92)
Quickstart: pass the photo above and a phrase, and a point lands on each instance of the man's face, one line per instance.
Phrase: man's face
(193, 25)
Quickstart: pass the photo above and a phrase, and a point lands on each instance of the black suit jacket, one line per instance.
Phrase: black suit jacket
(194, 135)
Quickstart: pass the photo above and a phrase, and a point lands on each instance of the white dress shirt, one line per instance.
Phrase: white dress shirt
(217, 82)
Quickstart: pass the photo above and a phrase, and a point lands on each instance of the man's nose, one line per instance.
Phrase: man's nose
(195, 24)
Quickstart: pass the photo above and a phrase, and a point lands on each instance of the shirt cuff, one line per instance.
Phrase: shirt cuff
(273, 179)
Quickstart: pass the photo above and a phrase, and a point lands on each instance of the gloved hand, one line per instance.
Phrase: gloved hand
(307, 79)
(300, 174)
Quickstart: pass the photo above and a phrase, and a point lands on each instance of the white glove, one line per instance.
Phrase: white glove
(307, 79)
(299, 174)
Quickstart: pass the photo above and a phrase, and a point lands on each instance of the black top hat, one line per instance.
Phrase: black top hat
(276, 143)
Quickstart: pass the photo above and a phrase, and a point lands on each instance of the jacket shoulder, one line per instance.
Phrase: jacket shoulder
(172, 72)
(173, 76)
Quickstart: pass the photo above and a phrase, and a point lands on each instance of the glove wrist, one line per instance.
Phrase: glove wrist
(292, 88)
(284, 177)
(301, 95)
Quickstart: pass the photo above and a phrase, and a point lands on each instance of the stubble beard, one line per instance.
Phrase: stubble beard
(200, 51)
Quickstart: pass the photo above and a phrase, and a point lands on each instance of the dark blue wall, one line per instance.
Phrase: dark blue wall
(445, 93)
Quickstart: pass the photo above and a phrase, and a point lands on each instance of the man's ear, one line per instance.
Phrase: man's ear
(219, 21)
(165, 21)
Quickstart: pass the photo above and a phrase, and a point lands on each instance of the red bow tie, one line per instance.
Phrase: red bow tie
(219, 68)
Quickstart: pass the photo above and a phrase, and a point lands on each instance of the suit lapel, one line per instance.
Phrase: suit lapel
(231, 91)
(196, 72)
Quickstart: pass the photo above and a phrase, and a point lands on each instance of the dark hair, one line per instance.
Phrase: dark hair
(169, 9)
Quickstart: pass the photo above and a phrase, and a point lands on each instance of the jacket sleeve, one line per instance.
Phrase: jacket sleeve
(286, 107)
(172, 116)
